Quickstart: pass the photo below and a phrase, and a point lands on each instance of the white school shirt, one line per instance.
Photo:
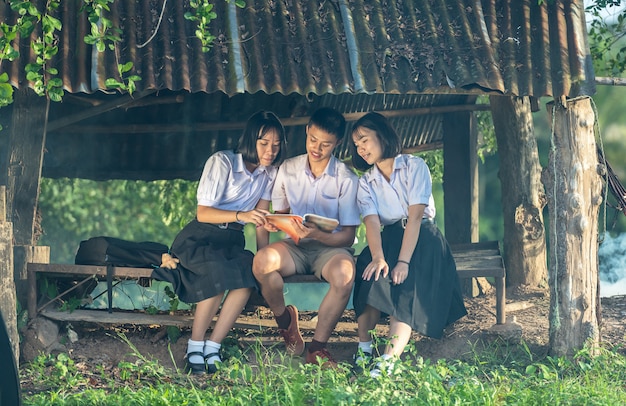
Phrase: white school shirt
(226, 184)
(410, 183)
(332, 194)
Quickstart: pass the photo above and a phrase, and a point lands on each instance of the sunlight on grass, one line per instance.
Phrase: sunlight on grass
(257, 375)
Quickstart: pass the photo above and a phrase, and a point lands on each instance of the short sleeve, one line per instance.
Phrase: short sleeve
(214, 179)
(348, 215)
(365, 200)
(420, 183)
(279, 194)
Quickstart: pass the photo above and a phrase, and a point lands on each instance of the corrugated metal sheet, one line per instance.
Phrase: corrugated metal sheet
(332, 47)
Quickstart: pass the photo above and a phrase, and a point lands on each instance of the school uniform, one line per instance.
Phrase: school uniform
(332, 194)
(212, 256)
(430, 298)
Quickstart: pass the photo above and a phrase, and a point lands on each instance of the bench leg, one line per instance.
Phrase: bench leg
(32, 295)
(500, 301)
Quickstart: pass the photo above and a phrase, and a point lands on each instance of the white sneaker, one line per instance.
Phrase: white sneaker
(383, 367)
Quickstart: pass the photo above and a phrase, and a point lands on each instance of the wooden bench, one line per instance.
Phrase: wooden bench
(481, 259)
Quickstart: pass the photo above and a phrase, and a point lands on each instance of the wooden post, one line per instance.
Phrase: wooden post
(7, 286)
(27, 138)
(460, 184)
(574, 190)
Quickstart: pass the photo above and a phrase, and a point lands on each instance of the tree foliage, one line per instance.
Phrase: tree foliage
(76, 209)
(607, 31)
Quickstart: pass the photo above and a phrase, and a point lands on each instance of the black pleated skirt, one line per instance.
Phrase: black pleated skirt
(430, 298)
(212, 260)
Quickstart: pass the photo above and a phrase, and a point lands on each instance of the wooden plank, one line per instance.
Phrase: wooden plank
(139, 318)
(97, 270)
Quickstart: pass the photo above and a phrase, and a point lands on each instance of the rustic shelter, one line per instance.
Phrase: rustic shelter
(423, 63)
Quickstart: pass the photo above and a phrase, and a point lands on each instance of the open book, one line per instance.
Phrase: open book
(283, 223)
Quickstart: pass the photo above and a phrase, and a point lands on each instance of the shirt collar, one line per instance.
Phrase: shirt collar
(330, 169)
(375, 176)
(240, 166)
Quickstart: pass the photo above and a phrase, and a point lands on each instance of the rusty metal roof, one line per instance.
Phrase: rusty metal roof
(515, 47)
(291, 57)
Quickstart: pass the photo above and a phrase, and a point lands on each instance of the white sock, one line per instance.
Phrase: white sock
(211, 347)
(195, 346)
(365, 346)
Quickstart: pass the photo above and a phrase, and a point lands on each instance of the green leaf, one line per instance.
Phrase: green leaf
(32, 76)
(6, 93)
(125, 67)
(113, 83)
(4, 77)
(56, 94)
(56, 82)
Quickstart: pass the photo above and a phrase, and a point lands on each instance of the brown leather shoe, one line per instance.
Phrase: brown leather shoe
(292, 336)
(321, 357)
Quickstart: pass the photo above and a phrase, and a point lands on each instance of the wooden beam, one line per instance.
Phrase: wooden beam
(611, 81)
(103, 108)
(219, 126)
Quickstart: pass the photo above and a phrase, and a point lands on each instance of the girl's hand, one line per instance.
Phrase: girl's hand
(255, 216)
(399, 273)
(375, 268)
(169, 262)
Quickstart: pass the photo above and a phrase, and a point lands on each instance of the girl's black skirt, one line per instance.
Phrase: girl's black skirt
(212, 260)
(430, 298)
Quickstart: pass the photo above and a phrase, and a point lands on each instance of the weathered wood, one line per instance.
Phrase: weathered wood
(3, 203)
(574, 191)
(26, 144)
(22, 255)
(523, 196)
(230, 125)
(138, 318)
(473, 260)
(7, 285)
(460, 180)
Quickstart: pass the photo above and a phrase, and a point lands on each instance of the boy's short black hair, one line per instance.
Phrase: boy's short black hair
(390, 141)
(259, 124)
(329, 120)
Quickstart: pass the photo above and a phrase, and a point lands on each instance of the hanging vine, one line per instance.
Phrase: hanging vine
(103, 36)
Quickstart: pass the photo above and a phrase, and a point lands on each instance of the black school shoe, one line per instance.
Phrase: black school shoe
(195, 368)
(362, 362)
(211, 368)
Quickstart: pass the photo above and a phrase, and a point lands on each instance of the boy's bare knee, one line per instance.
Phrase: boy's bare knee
(342, 276)
(265, 261)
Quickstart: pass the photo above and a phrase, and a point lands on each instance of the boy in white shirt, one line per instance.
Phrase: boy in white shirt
(316, 182)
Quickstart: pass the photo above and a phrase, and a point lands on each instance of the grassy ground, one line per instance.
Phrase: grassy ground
(500, 374)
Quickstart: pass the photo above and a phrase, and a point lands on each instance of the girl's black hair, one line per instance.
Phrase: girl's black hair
(390, 141)
(259, 124)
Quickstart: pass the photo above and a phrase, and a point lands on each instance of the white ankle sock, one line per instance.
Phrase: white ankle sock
(365, 346)
(195, 346)
(211, 347)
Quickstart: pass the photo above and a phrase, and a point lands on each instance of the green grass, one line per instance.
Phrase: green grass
(497, 375)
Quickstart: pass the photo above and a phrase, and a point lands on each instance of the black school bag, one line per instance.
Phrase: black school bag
(118, 252)
(111, 252)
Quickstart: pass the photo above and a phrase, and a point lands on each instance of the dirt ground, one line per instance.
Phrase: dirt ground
(101, 345)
